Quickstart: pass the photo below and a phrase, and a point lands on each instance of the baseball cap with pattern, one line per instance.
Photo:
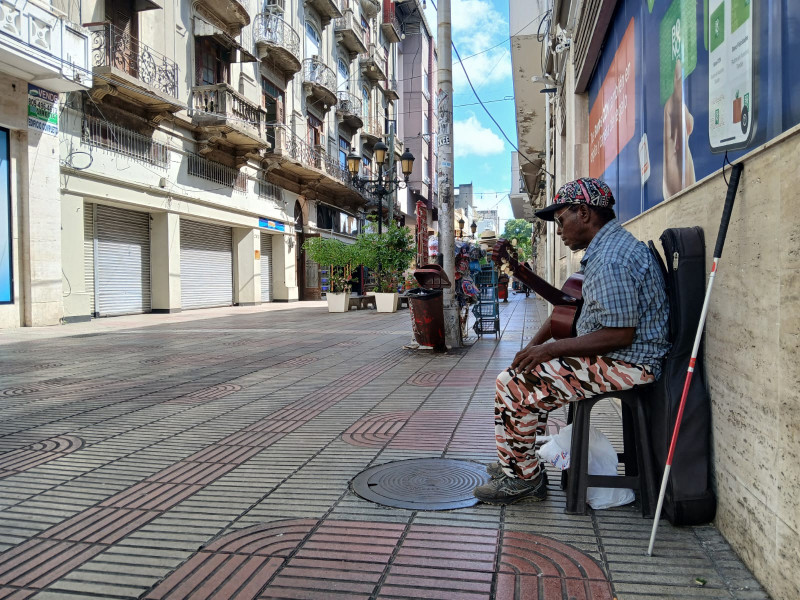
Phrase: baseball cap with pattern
(586, 190)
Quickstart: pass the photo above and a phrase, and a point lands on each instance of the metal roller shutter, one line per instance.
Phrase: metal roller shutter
(206, 265)
(266, 267)
(123, 261)
(88, 253)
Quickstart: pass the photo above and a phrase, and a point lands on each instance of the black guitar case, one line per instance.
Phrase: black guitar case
(690, 499)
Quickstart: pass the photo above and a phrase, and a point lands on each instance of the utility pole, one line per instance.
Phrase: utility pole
(391, 169)
(444, 169)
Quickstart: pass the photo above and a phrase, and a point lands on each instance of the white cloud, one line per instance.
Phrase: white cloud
(471, 138)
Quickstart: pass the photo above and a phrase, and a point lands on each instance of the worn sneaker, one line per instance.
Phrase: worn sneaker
(495, 471)
(508, 490)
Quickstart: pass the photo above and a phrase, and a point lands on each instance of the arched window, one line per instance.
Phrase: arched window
(313, 41)
(342, 75)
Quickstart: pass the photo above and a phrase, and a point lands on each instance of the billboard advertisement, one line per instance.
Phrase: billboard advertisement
(682, 83)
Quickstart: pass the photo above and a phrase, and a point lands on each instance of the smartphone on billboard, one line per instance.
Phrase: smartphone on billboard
(731, 88)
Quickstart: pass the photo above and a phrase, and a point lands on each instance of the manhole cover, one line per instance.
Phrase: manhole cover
(421, 483)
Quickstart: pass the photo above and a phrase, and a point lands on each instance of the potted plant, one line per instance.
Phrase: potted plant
(339, 256)
(387, 254)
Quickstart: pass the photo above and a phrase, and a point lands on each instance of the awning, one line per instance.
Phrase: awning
(203, 28)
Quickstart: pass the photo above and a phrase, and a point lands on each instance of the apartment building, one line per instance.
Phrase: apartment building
(198, 146)
(417, 120)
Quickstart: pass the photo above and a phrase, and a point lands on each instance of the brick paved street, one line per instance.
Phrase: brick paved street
(208, 454)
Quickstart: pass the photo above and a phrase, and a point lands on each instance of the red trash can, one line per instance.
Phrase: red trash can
(427, 317)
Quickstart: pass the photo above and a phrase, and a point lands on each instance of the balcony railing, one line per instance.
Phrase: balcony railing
(221, 101)
(269, 191)
(216, 172)
(269, 28)
(351, 31)
(296, 148)
(113, 47)
(372, 127)
(348, 103)
(99, 133)
(317, 72)
(391, 25)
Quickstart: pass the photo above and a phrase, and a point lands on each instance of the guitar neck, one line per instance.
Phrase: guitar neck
(552, 294)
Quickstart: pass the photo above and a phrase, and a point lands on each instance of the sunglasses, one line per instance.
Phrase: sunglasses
(557, 218)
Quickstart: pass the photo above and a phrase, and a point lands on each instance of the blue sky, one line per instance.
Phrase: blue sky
(482, 156)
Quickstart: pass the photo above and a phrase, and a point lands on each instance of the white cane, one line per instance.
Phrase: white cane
(733, 185)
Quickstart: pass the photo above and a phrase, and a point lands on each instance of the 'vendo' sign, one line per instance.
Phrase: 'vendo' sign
(42, 110)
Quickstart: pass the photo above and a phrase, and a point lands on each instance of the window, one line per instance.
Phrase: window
(426, 174)
(365, 26)
(425, 124)
(342, 75)
(366, 166)
(365, 103)
(314, 131)
(344, 149)
(425, 85)
(272, 99)
(313, 41)
(213, 62)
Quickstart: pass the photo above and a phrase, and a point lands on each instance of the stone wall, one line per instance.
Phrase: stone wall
(752, 355)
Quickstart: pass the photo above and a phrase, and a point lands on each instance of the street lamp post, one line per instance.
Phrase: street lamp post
(380, 187)
(473, 228)
(461, 228)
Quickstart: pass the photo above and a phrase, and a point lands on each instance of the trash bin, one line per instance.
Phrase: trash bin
(427, 317)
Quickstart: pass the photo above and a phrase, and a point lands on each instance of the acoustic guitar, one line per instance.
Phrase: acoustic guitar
(567, 301)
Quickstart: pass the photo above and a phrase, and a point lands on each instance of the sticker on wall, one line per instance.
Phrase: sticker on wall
(644, 159)
(42, 110)
(731, 107)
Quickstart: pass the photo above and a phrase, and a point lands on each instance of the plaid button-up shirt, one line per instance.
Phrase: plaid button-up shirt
(623, 287)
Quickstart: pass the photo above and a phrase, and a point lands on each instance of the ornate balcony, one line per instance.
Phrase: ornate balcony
(370, 8)
(227, 119)
(124, 67)
(232, 14)
(319, 82)
(372, 63)
(372, 130)
(390, 89)
(310, 170)
(350, 33)
(390, 25)
(326, 9)
(276, 39)
(349, 108)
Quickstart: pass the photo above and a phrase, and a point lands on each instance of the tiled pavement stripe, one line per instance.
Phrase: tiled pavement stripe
(37, 454)
(106, 525)
(81, 398)
(383, 560)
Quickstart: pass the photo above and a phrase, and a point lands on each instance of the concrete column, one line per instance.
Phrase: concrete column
(165, 262)
(40, 227)
(246, 266)
(76, 297)
(284, 273)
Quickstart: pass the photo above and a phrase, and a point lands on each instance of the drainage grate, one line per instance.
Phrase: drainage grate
(421, 483)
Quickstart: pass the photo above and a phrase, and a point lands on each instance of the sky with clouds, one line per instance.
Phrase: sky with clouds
(480, 31)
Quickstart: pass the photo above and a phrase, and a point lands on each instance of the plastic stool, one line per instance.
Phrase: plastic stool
(636, 455)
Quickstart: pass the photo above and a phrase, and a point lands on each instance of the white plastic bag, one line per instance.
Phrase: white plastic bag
(602, 461)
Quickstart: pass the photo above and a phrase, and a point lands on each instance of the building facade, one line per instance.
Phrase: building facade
(42, 54)
(198, 146)
(417, 118)
(656, 98)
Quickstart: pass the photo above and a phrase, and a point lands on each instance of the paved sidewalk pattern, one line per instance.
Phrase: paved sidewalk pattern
(208, 454)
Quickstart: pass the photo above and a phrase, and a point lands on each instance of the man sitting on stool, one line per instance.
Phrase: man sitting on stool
(621, 341)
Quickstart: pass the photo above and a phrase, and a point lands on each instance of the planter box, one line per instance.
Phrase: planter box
(337, 302)
(386, 301)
